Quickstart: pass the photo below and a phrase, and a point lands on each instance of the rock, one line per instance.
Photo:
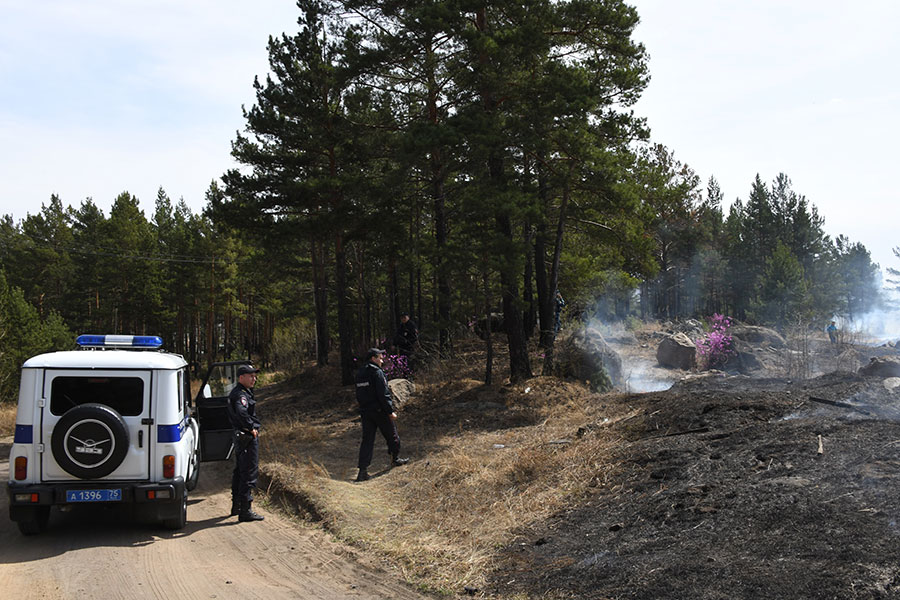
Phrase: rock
(761, 336)
(401, 390)
(584, 355)
(691, 328)
(881, 367)
(744, 360)
(891, 383)
(677, 351)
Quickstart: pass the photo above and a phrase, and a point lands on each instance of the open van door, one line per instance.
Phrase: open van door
(216, 440)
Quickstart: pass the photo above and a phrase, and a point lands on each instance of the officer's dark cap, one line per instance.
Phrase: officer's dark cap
(373, 352)
(246, 370)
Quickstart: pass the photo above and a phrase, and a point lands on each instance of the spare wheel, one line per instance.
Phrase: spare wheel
(90, 441)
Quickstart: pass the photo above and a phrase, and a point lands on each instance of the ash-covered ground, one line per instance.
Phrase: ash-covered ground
(733, 486)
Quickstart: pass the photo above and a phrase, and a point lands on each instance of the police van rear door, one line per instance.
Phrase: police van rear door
(96, 424)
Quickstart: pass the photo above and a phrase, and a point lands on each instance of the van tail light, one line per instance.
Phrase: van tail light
(21, 468)
(168, 466)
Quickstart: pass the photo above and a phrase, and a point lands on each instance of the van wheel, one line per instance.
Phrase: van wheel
(90, 441)
(193, 471)
(179, 521)
(35, 520)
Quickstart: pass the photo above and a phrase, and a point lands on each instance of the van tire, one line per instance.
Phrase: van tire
(98, 424)
(33, 519)
(193, 471)
(180, 520)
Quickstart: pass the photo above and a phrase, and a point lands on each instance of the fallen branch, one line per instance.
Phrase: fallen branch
(840, 405)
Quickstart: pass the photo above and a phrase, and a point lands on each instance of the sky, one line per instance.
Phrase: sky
(98, 97)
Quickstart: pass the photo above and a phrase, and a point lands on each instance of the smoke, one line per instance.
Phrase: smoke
(639, 366)
(876, 327)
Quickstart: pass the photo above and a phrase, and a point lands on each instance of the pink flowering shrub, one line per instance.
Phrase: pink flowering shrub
(716, 347)
(396, 366)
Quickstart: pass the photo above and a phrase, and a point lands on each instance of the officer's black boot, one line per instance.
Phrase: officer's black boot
(235, 507)
(363, 475)
(247, 513)
(398, 462)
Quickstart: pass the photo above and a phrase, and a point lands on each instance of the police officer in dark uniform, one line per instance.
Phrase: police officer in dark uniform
(242, 413)
(376, 410)
(407, 335)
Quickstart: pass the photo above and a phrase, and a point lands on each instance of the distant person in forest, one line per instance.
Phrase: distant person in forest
(407, 336)
(560, 303)
(832, 332)
(376, 411)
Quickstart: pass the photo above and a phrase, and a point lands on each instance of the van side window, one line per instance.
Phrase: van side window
(180, 385)
(185, 386)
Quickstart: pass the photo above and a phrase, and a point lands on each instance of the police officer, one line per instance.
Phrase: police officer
(407, 335)
(377, 413)
(242, 413)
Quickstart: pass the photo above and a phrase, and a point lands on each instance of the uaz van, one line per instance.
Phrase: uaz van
(113, 423)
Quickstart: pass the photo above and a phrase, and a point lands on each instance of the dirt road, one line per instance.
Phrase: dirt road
(94, 553)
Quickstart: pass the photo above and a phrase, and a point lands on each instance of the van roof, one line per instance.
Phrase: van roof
(106, 359)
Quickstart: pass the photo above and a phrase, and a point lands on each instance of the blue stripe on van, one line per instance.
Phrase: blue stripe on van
(23, 434)
(170, 433)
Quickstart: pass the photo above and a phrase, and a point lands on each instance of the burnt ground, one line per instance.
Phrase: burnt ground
(721, 489)
(722, 486)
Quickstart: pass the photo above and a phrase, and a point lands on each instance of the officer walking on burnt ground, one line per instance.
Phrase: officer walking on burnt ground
(242, 413)
(376, 410)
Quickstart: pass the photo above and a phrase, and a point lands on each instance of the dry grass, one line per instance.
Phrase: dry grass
(7, 418)
(479, 476)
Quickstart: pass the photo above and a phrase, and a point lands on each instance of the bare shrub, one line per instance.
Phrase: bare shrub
(798, 364)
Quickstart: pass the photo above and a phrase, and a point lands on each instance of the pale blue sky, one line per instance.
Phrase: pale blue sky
(809, 88)
(101, 96)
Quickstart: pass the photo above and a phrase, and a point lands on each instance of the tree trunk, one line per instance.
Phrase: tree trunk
(519, 364)
(489, 344)
(345, 329)
(320, 299)
(530, 316)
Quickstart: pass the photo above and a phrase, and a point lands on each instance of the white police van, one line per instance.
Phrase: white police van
(113, 423)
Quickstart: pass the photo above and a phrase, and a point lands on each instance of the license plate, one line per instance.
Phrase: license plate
(93, 495)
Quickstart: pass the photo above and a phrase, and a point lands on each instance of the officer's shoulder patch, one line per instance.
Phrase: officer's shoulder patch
(243, 400)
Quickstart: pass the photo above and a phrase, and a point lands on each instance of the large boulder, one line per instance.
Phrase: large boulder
(401, 390)
(758, 336)
(743, 360)
(881, 367)
(584, 355)
(677, 351)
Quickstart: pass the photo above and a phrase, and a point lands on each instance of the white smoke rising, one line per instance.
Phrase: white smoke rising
(876, 327)
(639, 366)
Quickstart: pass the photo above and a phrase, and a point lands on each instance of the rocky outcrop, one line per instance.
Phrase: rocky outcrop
(758, 336)
(881, 367)
(401, 390)
(744, 359)
(584, 355)
(677, 351)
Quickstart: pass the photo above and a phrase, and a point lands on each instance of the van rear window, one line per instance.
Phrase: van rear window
(125, 395)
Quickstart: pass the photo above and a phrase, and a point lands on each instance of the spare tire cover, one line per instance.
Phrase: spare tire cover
(90, 441)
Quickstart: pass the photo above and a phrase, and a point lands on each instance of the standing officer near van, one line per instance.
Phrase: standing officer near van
(242, 413)
(376, 411)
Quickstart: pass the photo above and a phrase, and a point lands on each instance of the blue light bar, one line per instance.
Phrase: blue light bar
(119, 341)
